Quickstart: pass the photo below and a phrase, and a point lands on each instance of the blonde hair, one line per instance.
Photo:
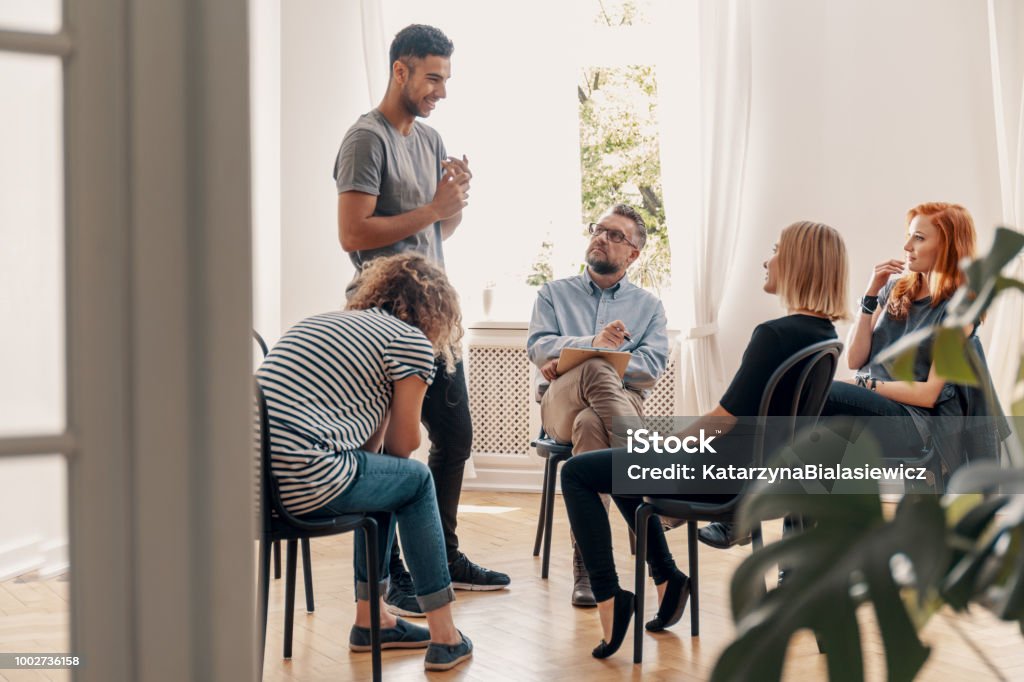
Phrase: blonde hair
(812, 269)
(957, 235)
(418, 293)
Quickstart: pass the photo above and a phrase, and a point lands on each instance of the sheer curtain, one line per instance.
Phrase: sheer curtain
(705, 124)
(1008, 94)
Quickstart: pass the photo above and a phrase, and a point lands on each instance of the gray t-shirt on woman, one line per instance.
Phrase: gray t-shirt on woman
(890, 330)
(402, 171)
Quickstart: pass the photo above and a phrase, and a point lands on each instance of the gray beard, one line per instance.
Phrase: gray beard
(601, 266)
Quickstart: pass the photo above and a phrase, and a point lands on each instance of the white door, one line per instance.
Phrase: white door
(125, 300)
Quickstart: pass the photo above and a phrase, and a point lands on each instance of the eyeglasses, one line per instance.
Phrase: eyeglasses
(614, 236)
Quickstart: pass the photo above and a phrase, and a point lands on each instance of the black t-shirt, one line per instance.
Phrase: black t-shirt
(771, 344)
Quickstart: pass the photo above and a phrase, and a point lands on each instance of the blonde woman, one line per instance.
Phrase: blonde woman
(339, 386)
(807, 271)
(901, 297)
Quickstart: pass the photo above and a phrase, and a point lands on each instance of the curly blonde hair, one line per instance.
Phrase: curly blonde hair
(418, 293)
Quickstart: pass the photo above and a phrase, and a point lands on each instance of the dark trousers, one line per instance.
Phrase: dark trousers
(887, 420)
(446, 416)
(584, 477)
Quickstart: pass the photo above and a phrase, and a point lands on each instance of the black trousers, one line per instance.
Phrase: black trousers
(584, 477)
(889, 421)
(450, 429)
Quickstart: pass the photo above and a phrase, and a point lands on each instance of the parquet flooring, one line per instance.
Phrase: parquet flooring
(529, 632)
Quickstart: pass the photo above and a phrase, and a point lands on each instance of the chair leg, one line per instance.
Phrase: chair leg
(691, 542)
(542, 515)
(936, 467)
(277, 559)
(307, 575)
(373, 577)
(292, 549)
(549, 514)
(643, 515)
(263, 582)
(757, 542)
(632, 542)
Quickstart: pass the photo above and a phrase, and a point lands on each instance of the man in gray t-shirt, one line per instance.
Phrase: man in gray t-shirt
(397, 188)
(399, 191)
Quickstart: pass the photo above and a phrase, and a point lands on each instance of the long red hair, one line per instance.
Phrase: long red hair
(956, 231)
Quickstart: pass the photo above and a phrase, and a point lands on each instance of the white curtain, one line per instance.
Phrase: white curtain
(1008, 94)
(705, 114)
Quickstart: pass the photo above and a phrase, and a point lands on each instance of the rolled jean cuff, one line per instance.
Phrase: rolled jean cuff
(435, 600)
(363, 589)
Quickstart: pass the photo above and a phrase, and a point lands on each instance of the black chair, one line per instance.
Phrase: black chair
(277, 524)
(555, 453)
(813, 369)
(307, 565)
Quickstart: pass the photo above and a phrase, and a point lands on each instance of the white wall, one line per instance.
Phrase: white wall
(323, 90)
(265, 84)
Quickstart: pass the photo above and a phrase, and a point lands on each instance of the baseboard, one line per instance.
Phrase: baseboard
(55, 558)
(505, 480)
(20, 558)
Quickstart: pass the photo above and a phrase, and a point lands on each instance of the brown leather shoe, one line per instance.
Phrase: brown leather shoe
(582, 595)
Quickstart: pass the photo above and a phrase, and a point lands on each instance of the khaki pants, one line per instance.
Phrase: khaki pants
(578, 406)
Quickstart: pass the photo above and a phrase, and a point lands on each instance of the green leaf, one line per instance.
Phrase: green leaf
(1005, 246)
(849, 544)
(950, 361)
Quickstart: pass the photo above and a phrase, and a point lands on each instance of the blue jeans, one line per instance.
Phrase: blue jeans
(405, 488)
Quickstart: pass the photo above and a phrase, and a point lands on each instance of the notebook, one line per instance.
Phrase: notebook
(571, 357)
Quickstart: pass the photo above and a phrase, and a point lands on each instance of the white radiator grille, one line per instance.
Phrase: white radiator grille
(501, 393)
(499, 399)
(662, 400)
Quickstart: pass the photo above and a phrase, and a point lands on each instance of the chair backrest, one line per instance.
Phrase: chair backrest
(261, 342)
(807, 374)
(271, 506)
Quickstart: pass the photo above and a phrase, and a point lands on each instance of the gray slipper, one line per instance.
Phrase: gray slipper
(447, 656)
(404, 635)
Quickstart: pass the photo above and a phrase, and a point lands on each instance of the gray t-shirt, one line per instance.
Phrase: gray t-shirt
(889, 330)
(402, 171)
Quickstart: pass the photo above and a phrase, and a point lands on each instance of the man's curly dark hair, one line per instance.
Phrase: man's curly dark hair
(418, 293)
(419, 41)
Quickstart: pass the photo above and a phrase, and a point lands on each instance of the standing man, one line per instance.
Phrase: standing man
(600, 308)
(398, 190)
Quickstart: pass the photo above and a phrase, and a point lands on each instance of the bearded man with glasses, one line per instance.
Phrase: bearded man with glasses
(599, 308)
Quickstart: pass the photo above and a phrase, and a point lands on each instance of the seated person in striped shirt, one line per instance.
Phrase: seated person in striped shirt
(603, 309)
(339, 386)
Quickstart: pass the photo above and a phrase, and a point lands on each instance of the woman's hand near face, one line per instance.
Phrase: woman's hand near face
(883, 271)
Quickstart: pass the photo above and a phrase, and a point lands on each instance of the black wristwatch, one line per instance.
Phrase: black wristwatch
(868, 305)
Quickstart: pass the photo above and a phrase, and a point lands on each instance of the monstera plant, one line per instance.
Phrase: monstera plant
(955, 549)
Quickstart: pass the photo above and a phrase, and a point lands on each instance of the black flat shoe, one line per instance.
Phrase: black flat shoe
(620, 624)
(677, 593)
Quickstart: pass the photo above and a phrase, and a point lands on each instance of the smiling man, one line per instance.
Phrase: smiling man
(599, 308)
(398, 191)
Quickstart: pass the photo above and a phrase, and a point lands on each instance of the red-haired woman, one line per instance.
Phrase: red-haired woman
(903, 296)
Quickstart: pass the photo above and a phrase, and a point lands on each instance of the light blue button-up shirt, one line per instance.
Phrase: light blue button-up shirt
(570, 312)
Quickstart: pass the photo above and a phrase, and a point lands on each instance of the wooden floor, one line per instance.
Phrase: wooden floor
(529, 632)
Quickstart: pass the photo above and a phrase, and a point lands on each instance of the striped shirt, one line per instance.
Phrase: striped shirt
(328, 383)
